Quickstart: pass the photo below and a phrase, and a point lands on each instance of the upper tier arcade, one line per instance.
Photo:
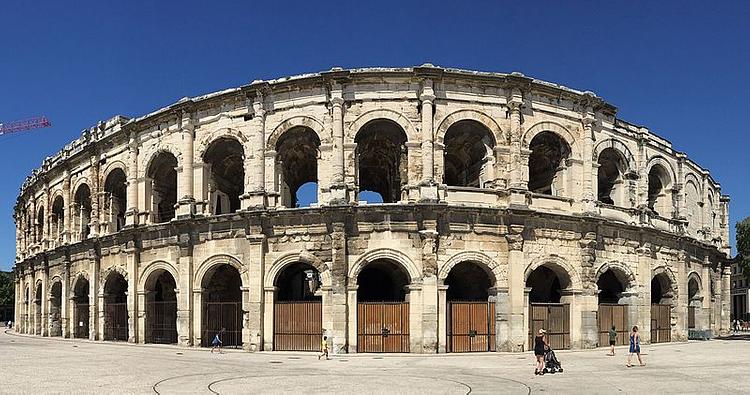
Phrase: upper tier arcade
(410, 135)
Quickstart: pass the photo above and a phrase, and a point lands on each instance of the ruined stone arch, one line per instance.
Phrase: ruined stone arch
(566, 273)
(215, 261)
(52, 281)
(153, 267)
(293, 257)
(618, 146)
(471, 115)
(384, 253)
(386, 114)
(112, 167)
(693, 275)
(77, 277)
(296, 121)
(489, 264)
(673, 285)
(691, 177)
(106, 273)
(554, 127)
(215, 135)
(77, 184)
(622, 271)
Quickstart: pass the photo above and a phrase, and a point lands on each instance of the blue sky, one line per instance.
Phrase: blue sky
(679, 68)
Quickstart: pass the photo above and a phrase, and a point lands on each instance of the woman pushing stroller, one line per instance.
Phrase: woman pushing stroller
(540, 347)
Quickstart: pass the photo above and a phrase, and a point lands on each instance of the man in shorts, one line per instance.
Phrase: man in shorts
(612, 341)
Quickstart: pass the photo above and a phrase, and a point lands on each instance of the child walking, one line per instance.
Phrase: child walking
(612, 341)
(324, 348)
(216, 343)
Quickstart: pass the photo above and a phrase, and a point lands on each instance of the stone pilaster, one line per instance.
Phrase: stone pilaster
(184, 296)
(515, 338)
(643, 278)
(131, 214)
(94, 216)
(185, 198)
(588, 196)
(255, 164)
(339, 190)
(132, 255)
(726, 301)
(517, 162)
(341, 329)
(65, 313)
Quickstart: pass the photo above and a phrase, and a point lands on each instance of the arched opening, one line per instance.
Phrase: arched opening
(381, 154)
(548, 164)
(55, 309)
(116, 307)
(611, 181)
(549, 307)
(40, 224)
(38, 295)
(471, 310)
(659, 191)
(661, 308)
(613, 306)
(469, 155)
(82, 216)
(695, 301)
(58, 218)
(297, 152)
(225, 158)
(115, 200)
(298, 314)
(161, 187)
(161, 308)
(307, 194)
(81, 308)
(222, 306)
(694, 208)
(382, 308)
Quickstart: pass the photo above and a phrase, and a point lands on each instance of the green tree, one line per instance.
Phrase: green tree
(743, 246)
(7, 291)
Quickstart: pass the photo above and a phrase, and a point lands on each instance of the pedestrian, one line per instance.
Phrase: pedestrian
(540, 346)
(324, 348)
(612, 341)
(635, 346)
(216, 343)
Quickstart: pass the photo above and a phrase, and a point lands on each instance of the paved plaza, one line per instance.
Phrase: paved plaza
(44, 365)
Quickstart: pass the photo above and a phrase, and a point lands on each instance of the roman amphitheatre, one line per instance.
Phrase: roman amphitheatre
(504, 204)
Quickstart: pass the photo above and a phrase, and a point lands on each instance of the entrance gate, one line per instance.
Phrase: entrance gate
(297, 326)
(383, 327)
(471, 326)
(116, 321)
(161, 322)
(661, 323)
(555, 319)
(82, 321)
(691, 317)
(617, 315)
(218, 315)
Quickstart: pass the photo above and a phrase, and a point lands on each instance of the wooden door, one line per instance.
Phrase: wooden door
(297, 326)
(383, 327)
(661, 323)
(555, 319)
(471, 326)
(617, 315)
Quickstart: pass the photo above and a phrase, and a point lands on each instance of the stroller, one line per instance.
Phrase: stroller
(551, 364)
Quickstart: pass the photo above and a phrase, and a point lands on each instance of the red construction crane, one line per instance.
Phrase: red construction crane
(26, 124)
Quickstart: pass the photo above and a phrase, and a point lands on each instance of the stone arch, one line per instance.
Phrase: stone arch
(77, 184)
(693, 275)
(216, 134)
(691, 177)
(618, 146)
(105, 274)
(52, 281)
(384, 253)
(285, 260)
(564, 270)
(383, 113)
(554, 127)
(55, 194)
(154, 153)
(81, 274)
(661, 161)
(153, 267)
(621, 271)
(489, 264)
(473, 115)
(292, 122)
(216, 261)
(673, 285)
(112, 167)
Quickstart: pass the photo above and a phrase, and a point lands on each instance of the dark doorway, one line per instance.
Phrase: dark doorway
(222, 306)
(298, 313)
(161, 308)
(471, 315)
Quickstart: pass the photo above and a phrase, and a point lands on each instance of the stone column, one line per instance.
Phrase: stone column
(94, 216)
(516, 133)
(339, 191)
(442, 317)
(131, 214)
(34, 235)
(67, 208)
(256, 163)
(269, 296)
(185, 297)
(726, 301)
(186, 200)
(642, 181)
(589, 199)
(140, 317)
(341, 328)
(45, 302)
(516, 337)
(93, 296)
(351, 292)
(428, 187)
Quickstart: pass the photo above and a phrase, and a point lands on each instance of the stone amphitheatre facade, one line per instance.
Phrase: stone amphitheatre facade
(508, 204)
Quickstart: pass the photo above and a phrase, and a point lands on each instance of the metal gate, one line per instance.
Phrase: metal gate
(383, 327)
(161, 322)
(555, 319)
(82, 321)
(617, 315)
(227, 315)
(661, 323)
(116, 321)
(297, 326)
(691, 317)
(471, 326)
